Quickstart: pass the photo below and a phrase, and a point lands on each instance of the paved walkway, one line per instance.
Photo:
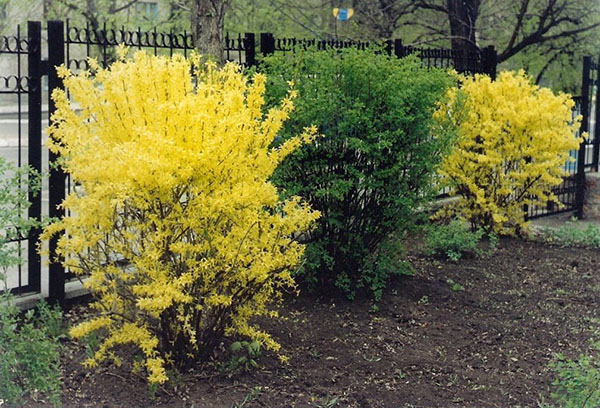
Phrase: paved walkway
(559, 220)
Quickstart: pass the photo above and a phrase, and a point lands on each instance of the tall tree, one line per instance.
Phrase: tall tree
(207, 26)
(206, 19)
(512, 25)
(545, 36)
(462, 16)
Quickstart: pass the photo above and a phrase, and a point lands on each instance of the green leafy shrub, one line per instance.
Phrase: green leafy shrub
(14, 184)
(30, 354)
(374, 163)
(578, 382)
(244, 356)
(388, 258)
(452, 240)
(28, 344)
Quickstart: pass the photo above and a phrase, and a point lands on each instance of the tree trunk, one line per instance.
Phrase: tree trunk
(462, 15)
(332, 22)
(207, 27)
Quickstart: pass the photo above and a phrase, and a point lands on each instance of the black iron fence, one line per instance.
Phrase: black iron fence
(571, 192)
(478, 62)
(22, 88)
(31, 80)
(590, 109)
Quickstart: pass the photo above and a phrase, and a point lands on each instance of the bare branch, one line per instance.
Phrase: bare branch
(547, 64)
(426, 5)
(517, 29)
(538, 38)
(281, 7)
(124, 7)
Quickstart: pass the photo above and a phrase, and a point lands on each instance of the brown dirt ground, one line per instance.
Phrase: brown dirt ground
(428, 345)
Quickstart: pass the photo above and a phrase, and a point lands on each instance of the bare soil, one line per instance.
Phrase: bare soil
(430, 344)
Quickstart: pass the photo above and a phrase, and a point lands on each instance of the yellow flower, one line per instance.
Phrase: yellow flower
(513, 141)
(174, 219)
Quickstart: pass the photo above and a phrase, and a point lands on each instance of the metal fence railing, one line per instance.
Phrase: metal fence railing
(21, 111)
(28, 77)
(479, 62)
(569, 190)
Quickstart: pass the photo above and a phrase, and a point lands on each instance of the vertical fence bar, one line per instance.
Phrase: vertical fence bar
(56, 57)
(155, 41)
(250, 49)
(267, 43)
(20, 90)
(185, 44)
(139, 33)
(88, 41)
(585, 111)
(489, 61)
(398, 48)
(389, 47)
(596, 131)
(34, 137)
(67, 47)
(227, 49)
(103, 46)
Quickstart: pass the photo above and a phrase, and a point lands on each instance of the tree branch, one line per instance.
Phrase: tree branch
(540, 74)
(282, 9)
(424, 4)
(517, 29)
(123, 7)
(538, 38)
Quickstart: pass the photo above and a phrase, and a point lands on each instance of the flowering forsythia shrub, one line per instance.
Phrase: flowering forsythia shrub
(173, 217)
(513, 140)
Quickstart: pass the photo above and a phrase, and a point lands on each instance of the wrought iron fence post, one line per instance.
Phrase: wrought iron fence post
(596, 131)
(57, 183)
(250, 49)
(389, 47)
(267, 43)
(398, 48)
(34, 137)
(489, 61)
(585, 111)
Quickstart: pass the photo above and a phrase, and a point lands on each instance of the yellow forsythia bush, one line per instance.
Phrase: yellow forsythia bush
(512, 143)
(173, 218)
